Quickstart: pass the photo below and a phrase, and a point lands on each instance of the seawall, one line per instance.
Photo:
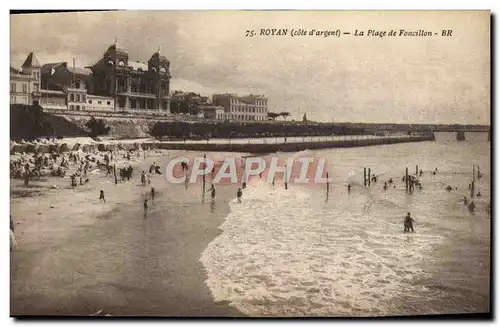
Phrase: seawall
(214, 147)
(283, 147)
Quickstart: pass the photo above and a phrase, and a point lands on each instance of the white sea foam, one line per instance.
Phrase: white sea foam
(285, 253)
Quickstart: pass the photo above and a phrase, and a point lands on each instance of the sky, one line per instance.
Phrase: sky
(393, 79)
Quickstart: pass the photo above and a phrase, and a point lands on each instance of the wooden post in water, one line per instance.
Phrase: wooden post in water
(369, 177)
(327, 184)
(286, 180)
(204, 167)
(364, 176)
(114, 172)
(416, 171)
(406, 179)
(473, 181)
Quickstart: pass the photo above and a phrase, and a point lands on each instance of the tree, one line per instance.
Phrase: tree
(272, 115)
(304, 119)
(29, 122)
(284, 114)
(97, 127)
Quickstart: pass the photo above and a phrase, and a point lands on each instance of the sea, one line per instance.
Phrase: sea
(306, 252)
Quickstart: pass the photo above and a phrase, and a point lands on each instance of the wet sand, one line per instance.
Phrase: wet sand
(78, 256)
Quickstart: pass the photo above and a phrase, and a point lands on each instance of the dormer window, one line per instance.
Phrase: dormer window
(121, 63)
(163, 70)
(153, 69)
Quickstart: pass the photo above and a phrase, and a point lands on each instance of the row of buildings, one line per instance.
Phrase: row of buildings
(117, 84)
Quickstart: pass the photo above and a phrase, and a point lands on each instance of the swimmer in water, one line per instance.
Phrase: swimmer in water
(478, 194)
(408, 223)
(385, 186)
(472, 206)
(348, 187)
(465, 200)
(449, 188)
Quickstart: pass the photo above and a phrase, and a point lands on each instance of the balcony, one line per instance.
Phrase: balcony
(137, 94)
(144, 95)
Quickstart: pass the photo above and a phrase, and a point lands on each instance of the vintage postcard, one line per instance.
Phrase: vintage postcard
(250, 163)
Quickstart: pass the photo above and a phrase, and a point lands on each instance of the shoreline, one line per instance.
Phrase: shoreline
(77, 258)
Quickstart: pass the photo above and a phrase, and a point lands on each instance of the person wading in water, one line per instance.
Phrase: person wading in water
(408, 223)
(145, 208)
(101, 196)
(239, 194)
(212, 189)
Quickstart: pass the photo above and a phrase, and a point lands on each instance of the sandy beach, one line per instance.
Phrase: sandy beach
(78, 256)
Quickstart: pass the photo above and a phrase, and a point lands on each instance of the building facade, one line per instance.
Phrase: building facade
(212, 112)
(100, 103)
(242, 108)
(25, 83)
(53, 100)
(135, 86)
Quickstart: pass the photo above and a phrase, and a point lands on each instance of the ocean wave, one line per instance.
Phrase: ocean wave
(285, 253)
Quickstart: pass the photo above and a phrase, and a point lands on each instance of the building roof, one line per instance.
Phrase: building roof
(47, 68)
(80, 71)
(31, 61)
(136, 65)
(51, 92)
(161, 57)
(14, 71)
(116, 47)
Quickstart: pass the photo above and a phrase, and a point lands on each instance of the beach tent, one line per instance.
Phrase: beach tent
(63, 148)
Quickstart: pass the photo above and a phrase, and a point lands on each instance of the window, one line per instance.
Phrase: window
(35, 87)
(83, 98)
(72, 97)
(72, 107)
(108, 103)
(25, 88)
(78, 97)
(83, 107)
(13, 87)
(99, 102)
(90, 101)
(77, 107)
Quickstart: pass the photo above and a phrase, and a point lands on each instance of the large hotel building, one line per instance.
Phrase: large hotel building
(242, 108)
(113, 83)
